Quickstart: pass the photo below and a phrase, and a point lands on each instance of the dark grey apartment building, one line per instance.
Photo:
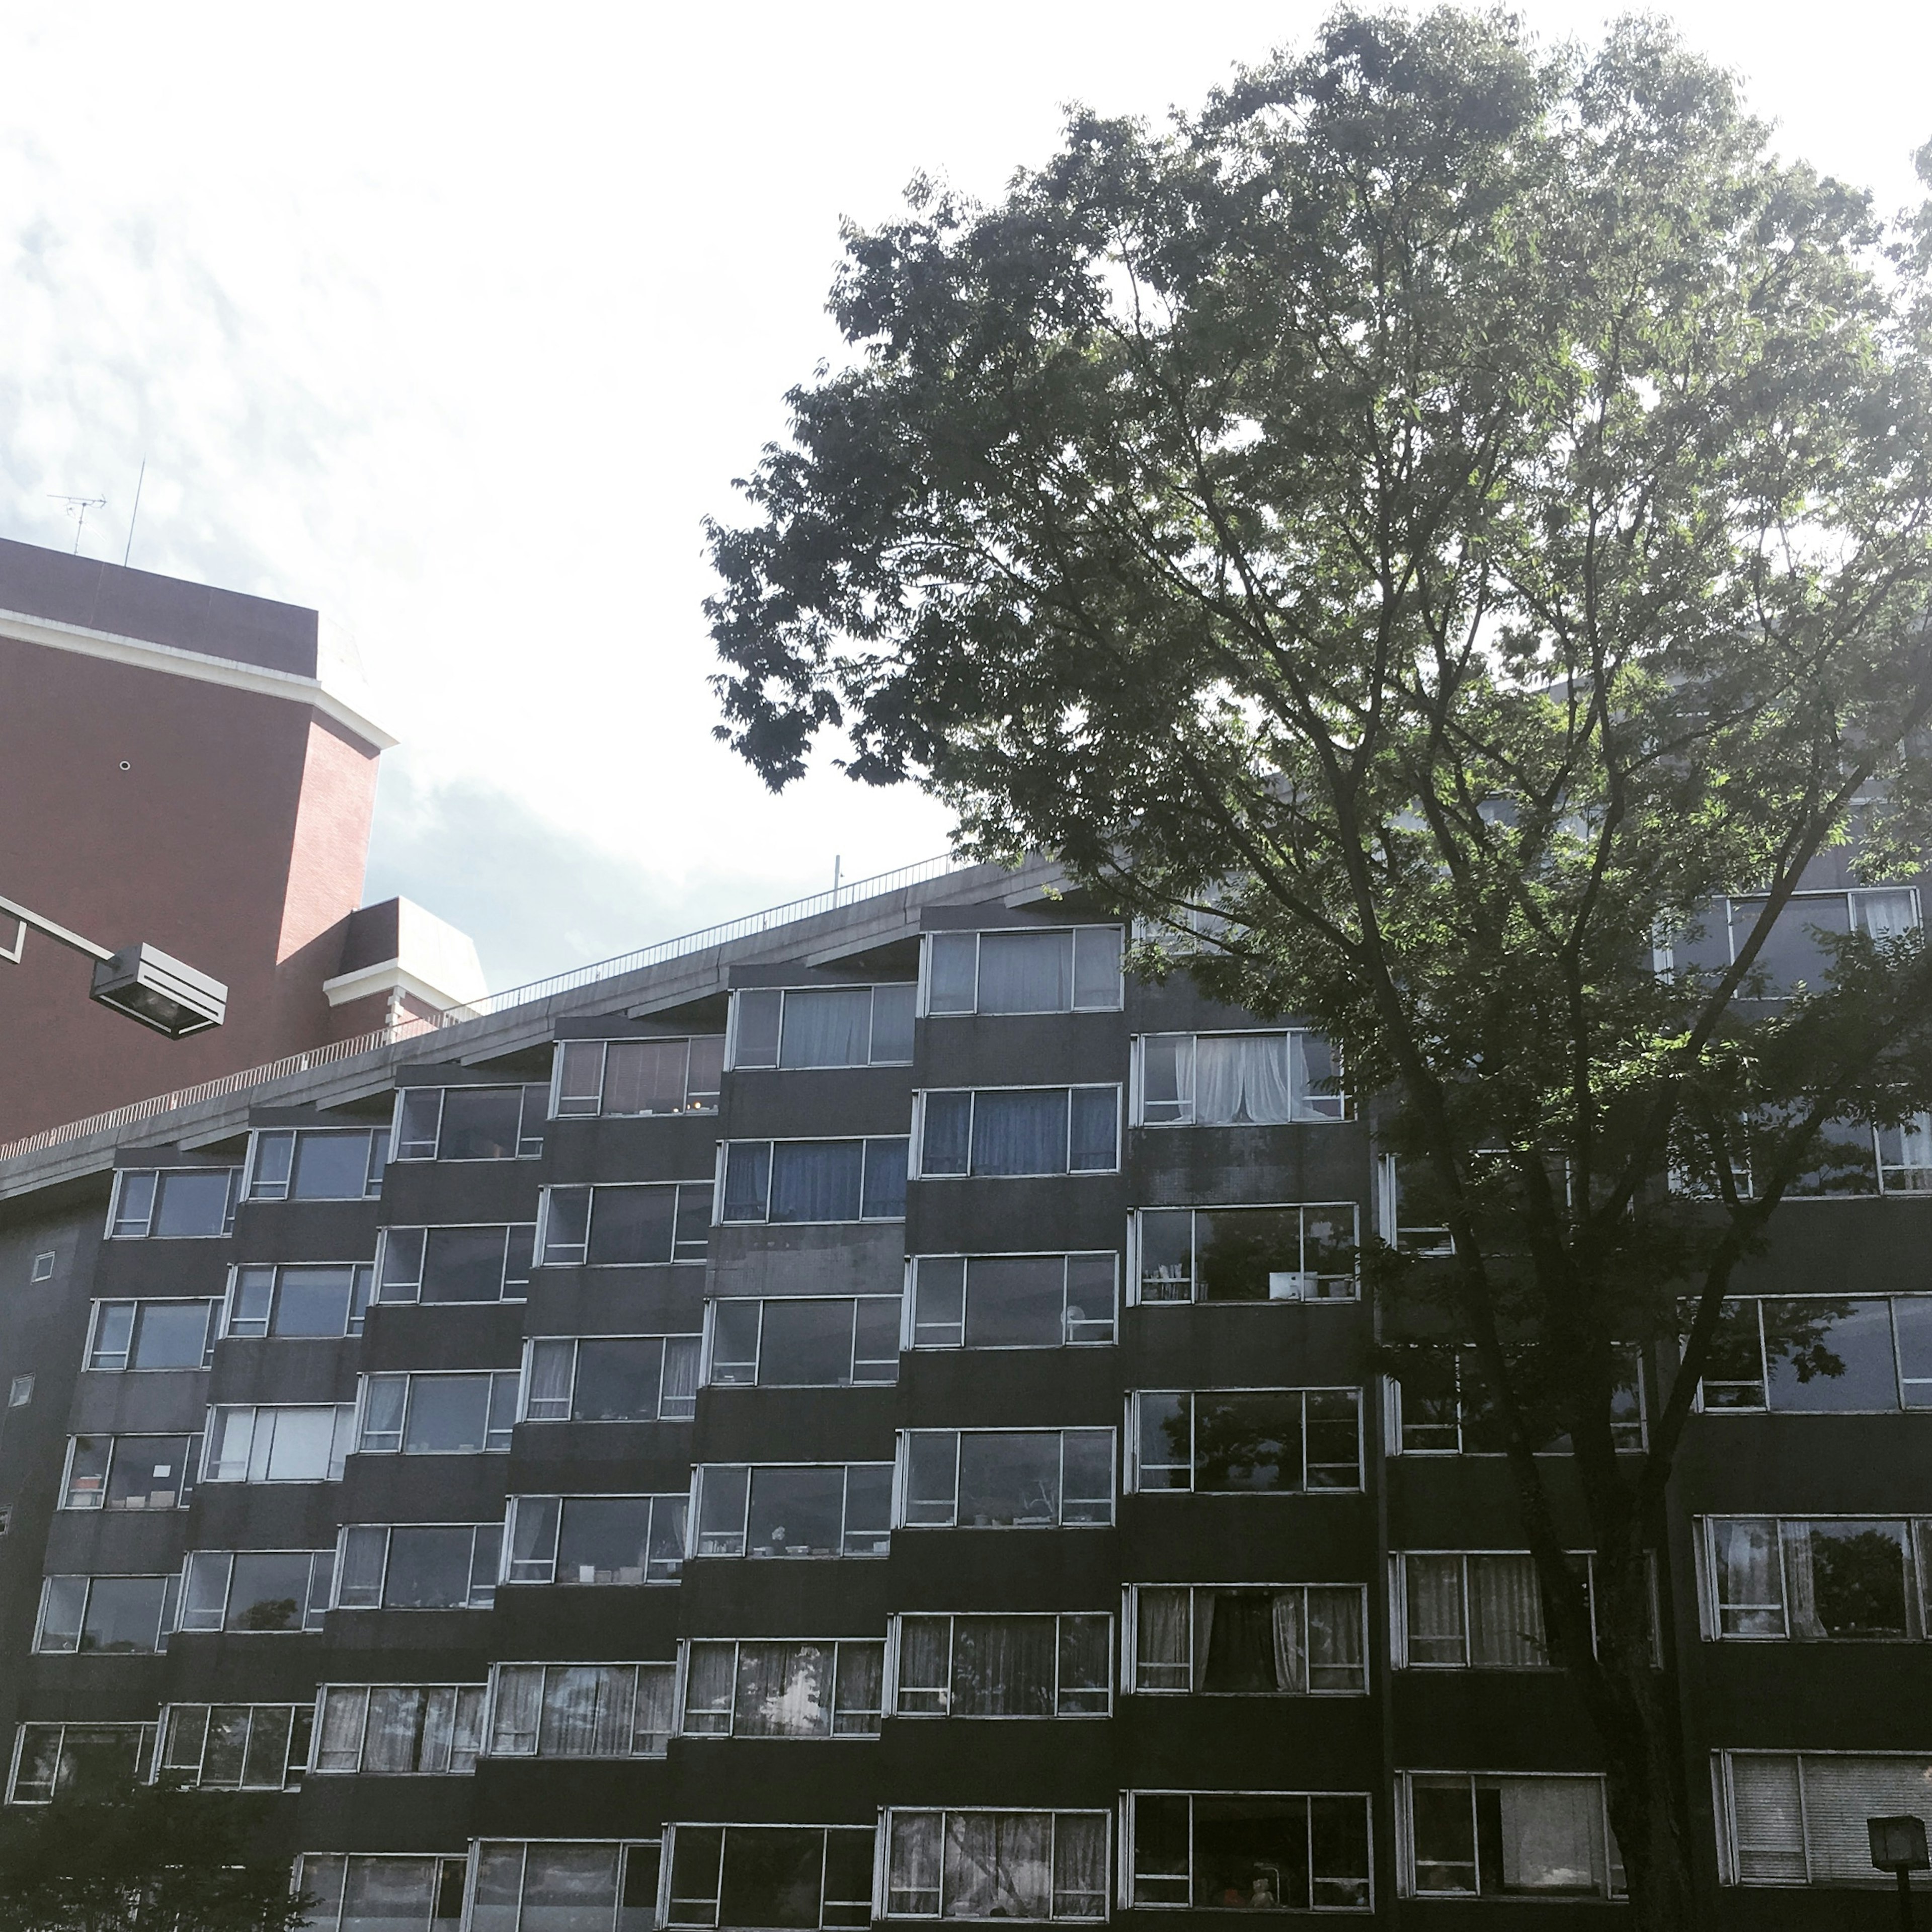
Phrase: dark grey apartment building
(876, 1418)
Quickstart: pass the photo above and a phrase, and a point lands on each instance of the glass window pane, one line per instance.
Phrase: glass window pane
(313, 1301)
(1008, 1478)
(1250, 1254)
(796, 1512)
(939, 1302)
(1097, 967)
(1830, 1354)
(429, 1566)
(948, 1123)
(1247, 1440)
(1015, 1301)
(87, 1472)
(892, 1024)
(169, 1335)
(806, 1345)
(268, 1590)
(604, 1540)
(330, 1167)
(1848, 1579)
(952, 971)
(1019, 1131)
(646, 1076)
(618, 1379)
(748, 1173)
(1242, 1079)
(1251, 1852)
(194, 1202)
(631, 1225)
(1026, 972)
(756, 1013)
(123, 1614)
(773, 1876)
(463, 1264)
(481, 1123)
(1160, 1849)
(828, 1026)
(816, 1180)
(1095, 1145)
(1164, 1452)
(1167, 1254)
(932, 1457)
(448, 1414)
(885, 1197)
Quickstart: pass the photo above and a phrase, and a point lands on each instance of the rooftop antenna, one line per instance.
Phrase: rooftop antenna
(132, 514)
(836, 860)
(77, 507)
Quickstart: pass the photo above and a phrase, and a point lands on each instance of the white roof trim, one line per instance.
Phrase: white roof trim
(390, 975)
(197, 665)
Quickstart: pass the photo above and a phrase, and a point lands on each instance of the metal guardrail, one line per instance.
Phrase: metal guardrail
(414, 1026)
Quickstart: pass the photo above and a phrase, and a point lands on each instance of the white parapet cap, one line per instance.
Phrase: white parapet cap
(434, 963)
(337, 692)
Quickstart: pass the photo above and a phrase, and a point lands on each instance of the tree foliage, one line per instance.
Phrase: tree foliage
(141, 1857)
(1415, 532)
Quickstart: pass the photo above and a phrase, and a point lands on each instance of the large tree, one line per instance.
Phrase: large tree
(1428, 524)
(104, 1857)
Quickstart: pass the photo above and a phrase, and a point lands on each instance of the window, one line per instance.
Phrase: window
(1249, 1639)
(794, 1509)
(581, 1710)
(784, 1689)
(1045, 1666)
(1814, 1580)
(471, 1122)
(106, 1615)
(1246, 1851)
(152, 1335)
(237, 1746)
(438, 1414)
(1246, 1441)
(621, 1539)
(1019, 1130)
(43, 1266)
(627, 1226)
(996, 1865)
(304, 1445)
(51, 1758)
(567, 1886)
(317, 1163)
(1237, 1079)
(1013, 1301)
(1246, 1254)
(823, 1026)
(1799, 1817)
(485, 1261)
(20, 1391)
(438, 1566)
(173, 1203)
(1058, 970)
(398, 1730)
(1471, 1609)
(1811, 1355)
(297, 1301)
(798, 1875)
(820, 1342)
(256, 1590)
(1797, 950)
(1439, 1403)
(629, 1077)
(379, 1892)
(1007, 1478)
(612, 1379)
(1469, 1835)
(123, 1472)
(794, 1181)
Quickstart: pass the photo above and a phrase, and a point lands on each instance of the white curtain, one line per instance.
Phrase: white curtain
(513, 1726)
(1242, 1079)
(651, 1718)
(1162, 1661)
(1291, 1647)
(388, 1895)
(997, 1865)
(1004, 1666)
(1801, 1598)
(857, 1699)
(1505, 1613)
(551, 1364)
(395, 1736)
(912, 1873)
(925, 1664)
(1886, 915)
(340, 1747)
(1751, 1585)
(1335, 1640)
(587, 1711)
(1079, 1867)
(1433, 1586)
(708, 1687)
(784, 1691)
(1551, 1835)
(1026, 972)
(831, 1027)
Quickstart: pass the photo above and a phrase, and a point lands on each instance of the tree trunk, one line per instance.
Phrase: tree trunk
(1648, 1805)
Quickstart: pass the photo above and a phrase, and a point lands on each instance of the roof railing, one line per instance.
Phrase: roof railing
(413, 1026)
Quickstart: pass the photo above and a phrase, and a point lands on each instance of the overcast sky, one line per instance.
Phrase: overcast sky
(454, 322)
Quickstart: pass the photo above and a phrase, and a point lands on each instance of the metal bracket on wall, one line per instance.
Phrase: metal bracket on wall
(13, 956)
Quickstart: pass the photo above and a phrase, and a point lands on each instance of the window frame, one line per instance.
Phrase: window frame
(211, 1305)
(708, 1377)
(295, 1764)
(902, 1478)
(484, 1577)
(322, 1573)
(980, 934)
(562, 1498)
(1130, 1627)
(909, 1342)
(488, 1747)
(1901, 1380)
(167, 1618)
(889, 1815)
(1404, 1838)
(916, 1148)
(459, 1692)
(449, 1867)
(733, 1063)
(1129, 1861)
(542, 1256)
(833, 1735)
(560, 1109)
(116, 1205)
(385, 1239)
(1724, 1795)
(184, 1490)
(1917, 1579)
(527, 1376)
(1300, 1116)
(362, 1293)
(866, 1142)
(667, 1901)
(1392, 1422)
(695, 1533)
(1133, 1486)
(1137, 1295)
(255, 1188)
(894, 1689)
(498, 1379)
(1398, 1572)
(530, 1146)
(342, 1438)
(144, 1748)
